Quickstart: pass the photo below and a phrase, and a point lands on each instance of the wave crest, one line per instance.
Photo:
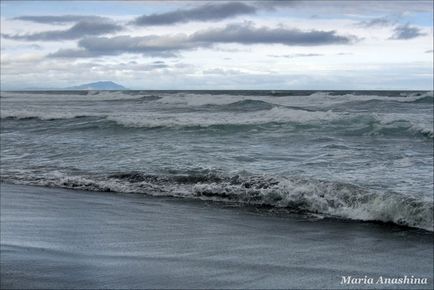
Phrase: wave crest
(302, 195)
(392, 124)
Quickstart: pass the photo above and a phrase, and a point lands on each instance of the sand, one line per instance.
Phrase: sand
(58, 238)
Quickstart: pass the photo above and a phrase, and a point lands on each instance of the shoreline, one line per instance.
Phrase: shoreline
(57, 238)
(260, 209)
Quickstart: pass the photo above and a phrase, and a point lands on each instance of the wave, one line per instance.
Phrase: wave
(360, 124)
(87, 96)
(396, 124)
(247, 105)
(370, 124)
(200, 98)
(43, 116)
(423, 100)
(183, 119)
(135, 99)
(25, 115)
(318, 99)
(301, 195)
(363, 124)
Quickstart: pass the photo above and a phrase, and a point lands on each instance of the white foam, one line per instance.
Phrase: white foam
(321, 99)
(203, 119)
(417, 123)
(308, 195)
(331, 199)
(67, 96)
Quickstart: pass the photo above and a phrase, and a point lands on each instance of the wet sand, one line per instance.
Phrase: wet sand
(57, 238)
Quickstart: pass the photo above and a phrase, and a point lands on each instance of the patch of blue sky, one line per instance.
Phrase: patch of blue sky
(10, 9)
(420, 19)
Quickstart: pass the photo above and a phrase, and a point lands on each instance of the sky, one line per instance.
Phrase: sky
(175, 45)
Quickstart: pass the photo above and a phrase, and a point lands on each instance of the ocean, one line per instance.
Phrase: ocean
(360, 155)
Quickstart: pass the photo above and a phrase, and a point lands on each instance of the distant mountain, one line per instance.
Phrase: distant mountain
(104, 85)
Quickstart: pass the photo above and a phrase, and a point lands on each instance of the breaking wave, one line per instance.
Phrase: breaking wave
(244, 106)
(423, 100)
(392, 124)
(316, 133)
(301, 195)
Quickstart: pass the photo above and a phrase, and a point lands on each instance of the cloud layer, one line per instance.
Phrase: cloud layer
(207, 12)
(244, 33)
(57, 19)
(98, 26)
(247, 33)
(219, 44)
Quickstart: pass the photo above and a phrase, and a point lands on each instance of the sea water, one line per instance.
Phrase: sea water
(365, 155)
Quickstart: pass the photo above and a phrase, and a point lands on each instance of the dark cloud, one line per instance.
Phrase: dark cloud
(406, 31)
(79, 30)
(73, 53)
(276, 4)
(235, 33)
(153, 45)
(207, 12)
(60, 19)
(164, 46)
(248, 34)
(376, 22)
(135, 66)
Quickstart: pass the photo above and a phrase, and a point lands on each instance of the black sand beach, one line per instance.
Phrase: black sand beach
(57, 238)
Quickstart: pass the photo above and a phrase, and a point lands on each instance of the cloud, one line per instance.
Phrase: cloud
(167, 45)
(60, 19)
(294, 55)
(406, 31)
(276, 4)
(222, 72)
(247, 33)
(368, 7)
(429, 51)
(83, 28)
(73, 53)
(207, 12)
(155, 45)
(376, 22)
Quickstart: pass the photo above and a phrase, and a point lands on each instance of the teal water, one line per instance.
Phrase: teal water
(360, 155)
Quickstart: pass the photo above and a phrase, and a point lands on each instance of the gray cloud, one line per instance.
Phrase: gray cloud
(60, 19)
(275, 4)
(429, 51)
(164, 46)
(207, 12)
(154, 45)
(168, 45)
(73, 53)
(83, 28)
(367, 7)
(375, 22)
(248, 34)
(406, 31)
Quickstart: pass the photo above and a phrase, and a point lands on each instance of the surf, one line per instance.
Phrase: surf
(295, 194)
